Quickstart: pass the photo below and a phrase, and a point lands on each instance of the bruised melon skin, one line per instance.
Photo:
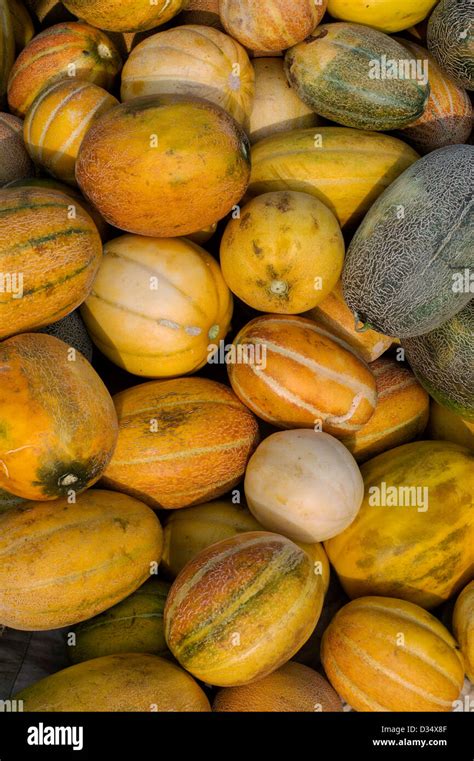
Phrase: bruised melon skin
(62, 51)
(385, 15)
(15, 164)
(64, 562)
(291, 688)
(303, 378)
(463, 627)
(446, 426)
(345, 53)
(442, 362)
(58, 425)
(242, 608)
(450, 39)
(407, 551)
(124, 682)
(382, 654)
(125, 15)
(345, 168)
(197, 159)
(181, 442)
(51, 257)
(399, 273)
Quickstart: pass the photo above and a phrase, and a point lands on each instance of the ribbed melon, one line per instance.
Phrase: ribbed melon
(125, 15)
(386, 15)
(415, 545)
(58, 424)
(445, 425)
(451, 40)
(51, 249)
(334, 316)
(382, 654)
(123, 682)
(401, 413)
(463, 627)
(345, 168)
(57, 121)
(62, 51)
(363, 98)
(196, 158)
(134, 625)
(401, 266)
(157, 305)
(192, 60)
(181, 442)
(64, 562)
(447, 118)
(442, 362)
(242, 608)
(22, 24)
(14, 160)
(301, 378)
(291, 688)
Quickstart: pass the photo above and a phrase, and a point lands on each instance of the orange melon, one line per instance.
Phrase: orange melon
(242, 608)
(180, 442)
(382, 654)
(196, 158)
(14, 160)
(57, 121)
(58, 424)
(294, 376)
(125, 15)
(284, 253)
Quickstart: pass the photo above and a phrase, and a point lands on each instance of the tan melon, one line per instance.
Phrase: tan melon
(445, 425)
(15, 164)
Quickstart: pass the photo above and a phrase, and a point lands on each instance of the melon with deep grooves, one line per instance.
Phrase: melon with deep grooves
(125, 15)
(343, 53)
(15, 164)
(450, 38)
(123, 682)
(442, 362)
(400, 268)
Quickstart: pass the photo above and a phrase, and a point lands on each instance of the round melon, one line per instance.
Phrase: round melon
(134, 625)
(14, 160)
(58, 422)
(463, 627)
(445, 425)
(192, 60)
(125, 15)
(22, 24)
(413, 535)
(345, 168)
(57, 121)
(196, 158)
(442, 361)
(66, 50)
(401, 413)
(72, 331)
(303, 484)
(157, 305)
(270, 25)
(450, 39)
(283, 253)
(293, 688)
(401, 267)
(181, 442)
(7, 48)
(386, 15)
(276, 106)
(291, 374)
(351, 55)
(382, 654)
(242, 608)
(125, 682)
(51, 250)
(87, 555)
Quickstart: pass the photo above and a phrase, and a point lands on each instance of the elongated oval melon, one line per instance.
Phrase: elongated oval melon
(125, 15)
(401, 266)
(387, 15)
(450, 38)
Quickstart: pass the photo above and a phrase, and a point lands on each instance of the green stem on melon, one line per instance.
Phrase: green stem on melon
(365, 325)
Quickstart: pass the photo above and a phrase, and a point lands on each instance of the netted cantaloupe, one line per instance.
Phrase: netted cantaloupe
(14, 160)
(125, 15)
(72, 331)
(450, 39)
(401, 269)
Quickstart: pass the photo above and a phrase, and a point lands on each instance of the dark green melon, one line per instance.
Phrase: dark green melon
(357, 76)
(414, 243)
(450, 38)
(443, 362)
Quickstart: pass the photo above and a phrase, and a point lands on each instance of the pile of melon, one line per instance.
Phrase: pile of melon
(236, 354)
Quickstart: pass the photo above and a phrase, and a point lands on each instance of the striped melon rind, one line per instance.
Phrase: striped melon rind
(442, 362)
(400, 268)
(382, 654)
(331, 72)
(450, 38)
(15, 163)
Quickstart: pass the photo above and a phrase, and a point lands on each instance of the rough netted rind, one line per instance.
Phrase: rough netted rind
(451, 40)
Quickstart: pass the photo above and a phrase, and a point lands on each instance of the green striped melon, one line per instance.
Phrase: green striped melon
(15, 163)
(401, 266)
(334, 71)
(450, 37)
(443, 362)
